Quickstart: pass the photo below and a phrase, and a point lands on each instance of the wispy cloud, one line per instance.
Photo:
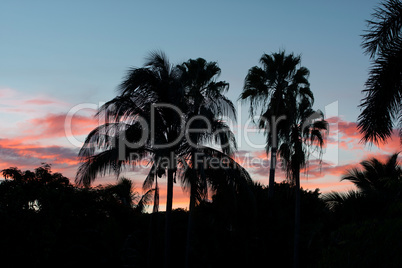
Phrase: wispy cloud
(346, 138)
(28, 156)
(14, 102)
(40, 102)
(39, 135)
(54, 126)
(32, 131)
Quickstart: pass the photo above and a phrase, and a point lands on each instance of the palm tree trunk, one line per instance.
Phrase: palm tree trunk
(193, 190)
(168, 227)
(297, 220)
(272, 173)
(190, 226)
(150, 242)
(152, 229)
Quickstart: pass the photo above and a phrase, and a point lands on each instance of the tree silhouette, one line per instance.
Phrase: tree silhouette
(125, 138)
(281, 88)
(13, 173)
(382, 103)
(304, 136)
(269, 88)
(45, 219)
(207, 107)
(377, 176)
(42, 174)
(170, 98)
(374, 209)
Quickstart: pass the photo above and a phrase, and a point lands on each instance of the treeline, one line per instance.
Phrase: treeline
(47, 222)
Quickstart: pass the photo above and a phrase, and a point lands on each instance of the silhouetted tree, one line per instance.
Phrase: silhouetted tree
(382, 103)
(12, 173)
(367, 218)
(169, 98)
(207, 107)
(45, 219)
(270, 88)
(305, 133)
(125, 138)
(281, 88)
(377, 176)
(42, 174)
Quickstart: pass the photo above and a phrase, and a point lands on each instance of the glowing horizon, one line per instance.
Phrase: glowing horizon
(44, 140)
(56, 57)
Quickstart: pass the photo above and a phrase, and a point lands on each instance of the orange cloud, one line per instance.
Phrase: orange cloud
(393, 144)
(314, 170)
(38, 139)
(53, 126)
(28, 156)
(40, 101)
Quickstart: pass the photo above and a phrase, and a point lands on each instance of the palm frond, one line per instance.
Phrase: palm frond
(384, 29)
(145, 200)
(335, 200)
(381, 106)
(103, 163)
(375, 175)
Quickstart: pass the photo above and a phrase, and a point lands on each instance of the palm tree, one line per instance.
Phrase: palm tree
(269, 88)
(190, 96)
(208, 106)
(382, 103)
(379, 186)
(377, 176)
(304, 135)
(148, 94)
(281, 88)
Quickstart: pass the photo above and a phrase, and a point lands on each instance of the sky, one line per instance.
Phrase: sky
(62, 59)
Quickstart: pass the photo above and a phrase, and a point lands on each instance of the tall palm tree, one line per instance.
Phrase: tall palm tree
(281, 88)
(377, 176)
(208, 106)
(190, 88)
(125, 138)
(305, 135)
(206, 109)
(268, 89)
(382, 103)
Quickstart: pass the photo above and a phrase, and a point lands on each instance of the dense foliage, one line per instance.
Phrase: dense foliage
(47, 222)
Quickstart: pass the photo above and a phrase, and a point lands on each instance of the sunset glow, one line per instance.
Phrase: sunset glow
(60, 69)
(40, 137)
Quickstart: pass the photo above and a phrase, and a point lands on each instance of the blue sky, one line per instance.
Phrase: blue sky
(79, 50)
(71, 52)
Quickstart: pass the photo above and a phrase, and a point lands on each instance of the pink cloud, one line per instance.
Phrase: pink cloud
(349, 129)
(351, 139)
(393, 144)
(40, 101)
(53, 126)
(27, 152)
(28, 156)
